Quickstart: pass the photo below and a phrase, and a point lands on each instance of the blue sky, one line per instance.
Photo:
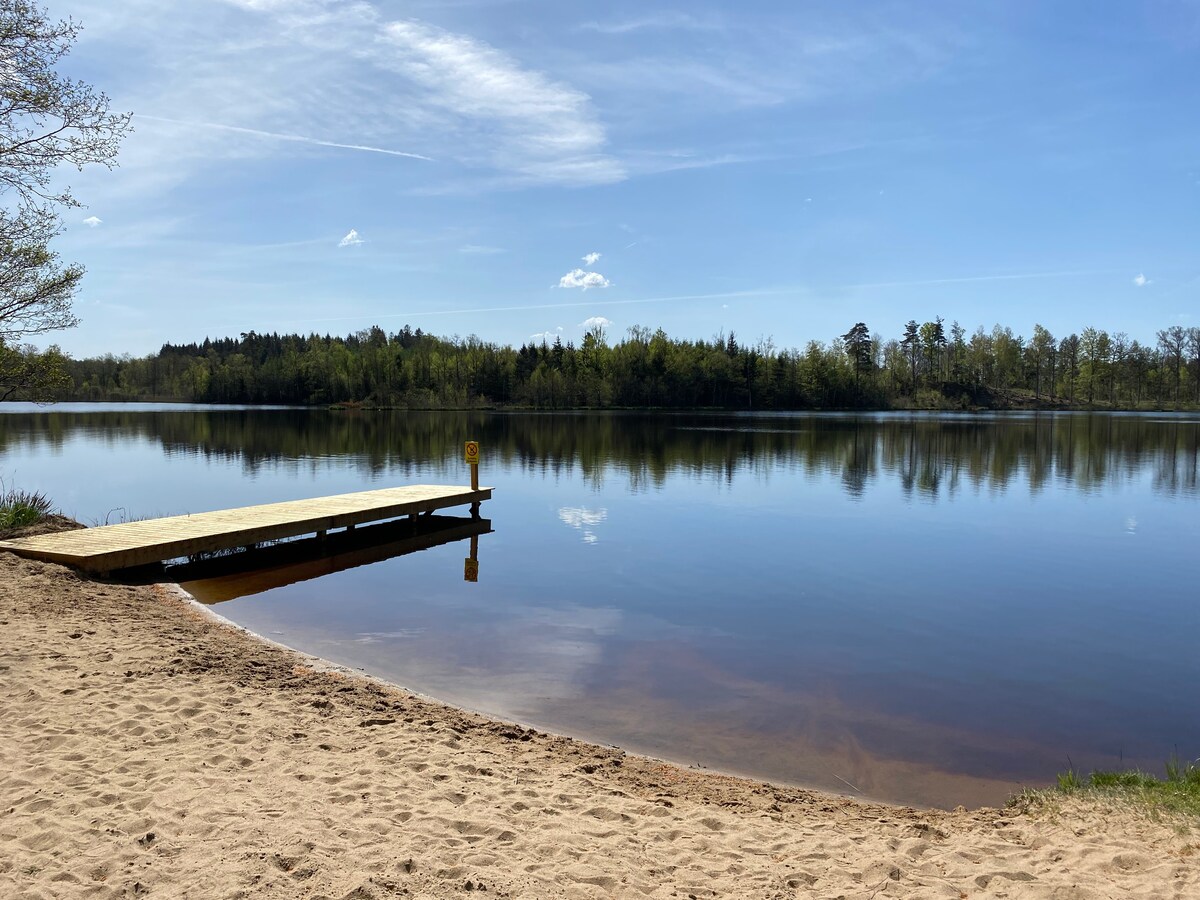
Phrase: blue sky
(774, 168)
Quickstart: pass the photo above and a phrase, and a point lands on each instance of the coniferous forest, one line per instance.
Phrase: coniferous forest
(929, 365)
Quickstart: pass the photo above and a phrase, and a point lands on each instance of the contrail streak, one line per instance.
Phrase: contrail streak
(535, 306)
(969, 278)
(727, 295)
(286, 137)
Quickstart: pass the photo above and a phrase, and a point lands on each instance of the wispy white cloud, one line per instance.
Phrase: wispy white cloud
(591, 258)
(546, 335)
(244, 79)
(350, 239)
(93, 221)
(262, 5)
(595, 322)
(768, 59)
(1141, 280)
(537, 128)
(578, 278)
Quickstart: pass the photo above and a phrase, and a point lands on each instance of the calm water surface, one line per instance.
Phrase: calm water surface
(920, 608)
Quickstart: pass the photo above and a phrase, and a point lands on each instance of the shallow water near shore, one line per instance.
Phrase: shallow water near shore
(920, 608)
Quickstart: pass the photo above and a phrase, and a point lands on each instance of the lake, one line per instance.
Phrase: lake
(920, 608)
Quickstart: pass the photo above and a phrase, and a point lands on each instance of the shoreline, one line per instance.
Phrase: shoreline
(148, 746)
(321, 664)
(954, 789)
(351, 407)
(869, 776)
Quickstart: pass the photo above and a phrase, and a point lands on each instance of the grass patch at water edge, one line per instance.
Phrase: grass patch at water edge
(20, 508)
(1177, 791)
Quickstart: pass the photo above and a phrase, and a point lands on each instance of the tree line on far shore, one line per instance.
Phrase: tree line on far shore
(926, 366)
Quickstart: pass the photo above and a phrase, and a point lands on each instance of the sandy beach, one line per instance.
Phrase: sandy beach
(147, 749)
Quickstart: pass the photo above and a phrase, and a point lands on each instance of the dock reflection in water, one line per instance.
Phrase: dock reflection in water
(242, 574)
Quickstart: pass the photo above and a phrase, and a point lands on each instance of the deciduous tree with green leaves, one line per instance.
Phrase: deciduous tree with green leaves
(933, 342)
(46, 119)
(1173, 340)
(1040, 351)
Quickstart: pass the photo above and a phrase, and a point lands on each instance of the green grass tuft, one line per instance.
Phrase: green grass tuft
(1177, 792)
(21, 508)
(1069, 781)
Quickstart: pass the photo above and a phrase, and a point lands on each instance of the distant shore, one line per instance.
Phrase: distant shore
(147, 748)
(1020, 405)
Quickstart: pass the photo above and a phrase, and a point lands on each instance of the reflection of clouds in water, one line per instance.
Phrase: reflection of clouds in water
(523, 662)
(1131, 525)
(514, 664)
(374, 637)
(583, 519)
(579, 516)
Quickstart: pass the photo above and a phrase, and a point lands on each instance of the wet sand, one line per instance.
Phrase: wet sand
(147, 749)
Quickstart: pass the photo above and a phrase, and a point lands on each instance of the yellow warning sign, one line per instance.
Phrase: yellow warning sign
(471, 452)
(470, 570)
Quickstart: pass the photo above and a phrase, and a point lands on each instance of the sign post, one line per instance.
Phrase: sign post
(471, 455)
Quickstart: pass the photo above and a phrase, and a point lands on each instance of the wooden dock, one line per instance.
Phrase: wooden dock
(112, 547)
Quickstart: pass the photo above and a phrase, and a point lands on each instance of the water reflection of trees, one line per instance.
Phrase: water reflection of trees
(929, 456)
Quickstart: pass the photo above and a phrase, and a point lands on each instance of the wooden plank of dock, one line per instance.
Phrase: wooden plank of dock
(112, 547)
